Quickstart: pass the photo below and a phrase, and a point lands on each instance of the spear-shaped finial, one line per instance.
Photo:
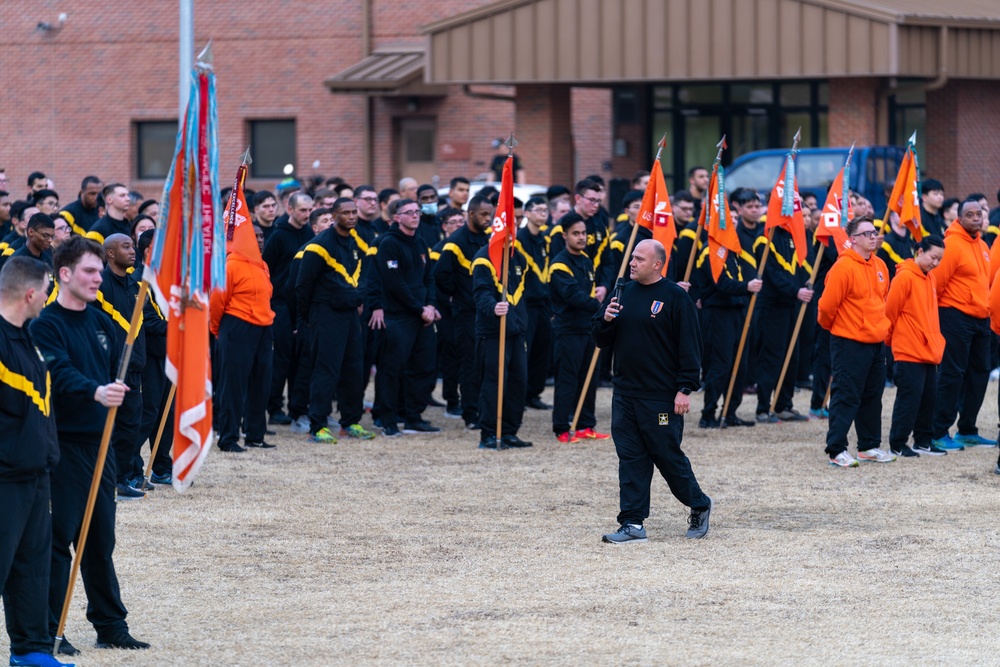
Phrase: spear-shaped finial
(205, 59)
(510, 143)
(913, 139)
(796, 139)
(850, 152)
(245, 158)
(662, 145)
(722, 145)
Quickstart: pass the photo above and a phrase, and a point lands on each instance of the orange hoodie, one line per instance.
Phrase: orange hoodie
(963, 274)
(995, 304)
(912, 309)
(247, 295)
(853, 301)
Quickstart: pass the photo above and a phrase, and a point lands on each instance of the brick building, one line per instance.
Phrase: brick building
(377, 89)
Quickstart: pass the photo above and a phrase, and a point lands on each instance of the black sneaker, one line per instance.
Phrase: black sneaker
(65, 648)
(140, 484)
(232, 447)
(260, 444)
(905, 452)
(391, 431)
(472, 426)
(514, 441)
(705, 422)
(537, 403)
(125, 492)
(489, 442)
(736, 421)
(434, 403)
(268, 431)
(453, 411)
(698, 522)
(930, 449)
(422, 426)
(123, 640)
(280, 419)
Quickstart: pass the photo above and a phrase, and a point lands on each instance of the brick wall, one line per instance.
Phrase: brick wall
(853, 104)
(592, 131)
(963, 138)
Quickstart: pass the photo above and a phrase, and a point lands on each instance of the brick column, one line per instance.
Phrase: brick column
(963, 142)
(853, 111)
(542, 128)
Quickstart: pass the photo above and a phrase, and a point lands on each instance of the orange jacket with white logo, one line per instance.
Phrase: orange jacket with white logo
(963, 274)
(247, 295)
(912, 309)
(853, 301)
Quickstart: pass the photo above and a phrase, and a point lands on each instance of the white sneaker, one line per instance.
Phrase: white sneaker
(876, 455)
(300, 425)
(844, 460)
(995, 375)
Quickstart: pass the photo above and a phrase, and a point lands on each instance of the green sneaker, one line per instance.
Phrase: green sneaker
(357, 431)
(323, 435)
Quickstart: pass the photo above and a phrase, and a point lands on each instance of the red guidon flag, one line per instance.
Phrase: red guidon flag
(722, 236)
(831, 220)
(656, 214)
(905, 197)
(784, 208)
(504, 224)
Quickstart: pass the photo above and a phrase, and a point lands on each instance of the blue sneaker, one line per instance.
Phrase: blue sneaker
(948, 444)
(974, 440)
(819, 413)
(37, 660)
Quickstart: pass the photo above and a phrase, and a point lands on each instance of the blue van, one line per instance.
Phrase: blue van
(873, 171)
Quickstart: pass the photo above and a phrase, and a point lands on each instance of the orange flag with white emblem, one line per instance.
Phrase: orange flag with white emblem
(656, 214)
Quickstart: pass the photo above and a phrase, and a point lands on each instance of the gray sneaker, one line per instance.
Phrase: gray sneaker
(300, 425)
(698, 522)
(629, 532)
(792, 416)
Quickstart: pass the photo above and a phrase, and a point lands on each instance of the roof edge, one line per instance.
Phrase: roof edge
(474, 15)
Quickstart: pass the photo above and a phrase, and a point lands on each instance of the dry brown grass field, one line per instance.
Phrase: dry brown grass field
(425, 550)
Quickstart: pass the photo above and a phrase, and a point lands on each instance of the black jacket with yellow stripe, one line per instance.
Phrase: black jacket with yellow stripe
(783, 276)
(598, 247)
(731, 289)
(28, 443)
(116, 298)
(895, 250)
(487, 291)
(453, 269)
(107, 226)
(535, 251)
(571, 279)
(329, 273)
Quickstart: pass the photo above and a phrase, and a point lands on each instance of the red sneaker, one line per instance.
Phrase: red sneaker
(567, 438)
(591, 434)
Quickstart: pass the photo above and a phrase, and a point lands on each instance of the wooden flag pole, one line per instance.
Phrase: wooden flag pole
(507, 244)
(102, 454)
(159, 434)
(705, 203)
(503, 340)
(746, 328)
(826, 399)
(621, 274)
(795, 331)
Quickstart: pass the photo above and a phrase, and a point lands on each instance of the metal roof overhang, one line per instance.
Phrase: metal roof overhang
(618, 41)
(387, 71)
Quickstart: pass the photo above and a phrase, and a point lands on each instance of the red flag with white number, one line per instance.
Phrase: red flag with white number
(504, 225)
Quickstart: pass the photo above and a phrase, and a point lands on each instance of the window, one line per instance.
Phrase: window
(155, 142)
(272, 147)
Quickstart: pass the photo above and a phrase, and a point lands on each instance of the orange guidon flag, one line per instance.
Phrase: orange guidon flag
(832, 219)
(784, 208)
(656, 214)
(905, 197)
(240, 237)
(504, 224)
(722, 236)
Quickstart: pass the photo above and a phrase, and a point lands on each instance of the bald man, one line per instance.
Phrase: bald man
(408, 188)
(116, 298)
(651, 326)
